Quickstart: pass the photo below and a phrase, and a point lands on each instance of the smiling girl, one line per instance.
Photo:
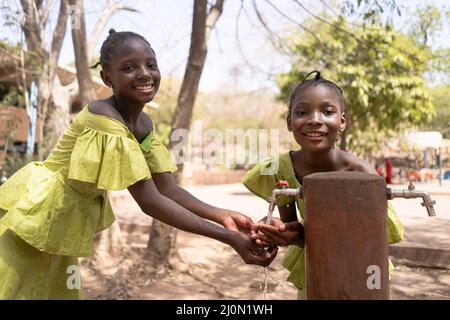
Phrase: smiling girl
(316, 115)
(51, 210)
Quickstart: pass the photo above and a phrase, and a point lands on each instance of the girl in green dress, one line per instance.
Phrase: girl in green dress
(51, 210)
(316, 115)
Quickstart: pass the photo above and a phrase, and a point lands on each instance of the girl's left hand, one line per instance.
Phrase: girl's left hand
(278, 233)
(237, 221)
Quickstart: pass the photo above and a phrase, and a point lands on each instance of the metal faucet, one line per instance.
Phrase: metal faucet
(284, 190)
(413, 193)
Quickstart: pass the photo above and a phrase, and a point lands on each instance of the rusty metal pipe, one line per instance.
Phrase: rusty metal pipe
(412, 193)
(345, 236)
(345, 232)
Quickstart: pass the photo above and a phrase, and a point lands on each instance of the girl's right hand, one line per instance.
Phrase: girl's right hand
(250, 252)
(279, 233)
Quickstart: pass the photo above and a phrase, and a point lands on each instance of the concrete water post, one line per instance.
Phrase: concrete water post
(346, 247)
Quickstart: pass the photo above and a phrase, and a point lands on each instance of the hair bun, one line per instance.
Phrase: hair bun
(111, 31)
(318, 75)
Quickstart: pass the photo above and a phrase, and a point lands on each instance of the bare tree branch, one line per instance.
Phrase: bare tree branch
(351, 34)
(86, 86)
(293, 21)
(253, 68)
(272, 36)
(110, 8)
(212, 17)
(31, 27)
(59, 33)
(45, 13)
(330, 7)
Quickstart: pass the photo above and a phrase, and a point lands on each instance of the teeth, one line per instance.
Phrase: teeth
(144, 87)
(314, 134)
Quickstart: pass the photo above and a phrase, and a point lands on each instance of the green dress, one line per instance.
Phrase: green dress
(262, 186)
(51, 210)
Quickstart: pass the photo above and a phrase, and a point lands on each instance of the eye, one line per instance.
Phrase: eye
(128, 68)
(329, 112)
(152, 66)
(299, 112)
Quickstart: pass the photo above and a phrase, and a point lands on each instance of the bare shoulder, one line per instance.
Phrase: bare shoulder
(354, 163)
(104, 108)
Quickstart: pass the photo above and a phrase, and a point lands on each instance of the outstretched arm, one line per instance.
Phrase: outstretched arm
(232, 220)
(159, 207)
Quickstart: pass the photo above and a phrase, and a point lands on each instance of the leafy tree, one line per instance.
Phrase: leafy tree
(381, 72)
(441, 121)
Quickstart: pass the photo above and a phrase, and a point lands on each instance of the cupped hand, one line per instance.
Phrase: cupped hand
(237, 221)
(259, 236)
(278, 233)
(250, 252)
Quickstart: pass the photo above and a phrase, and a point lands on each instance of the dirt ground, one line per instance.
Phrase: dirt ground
(206, 269)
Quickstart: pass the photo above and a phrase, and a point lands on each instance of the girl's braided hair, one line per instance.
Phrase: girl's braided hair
(318, 79)
(112, 42)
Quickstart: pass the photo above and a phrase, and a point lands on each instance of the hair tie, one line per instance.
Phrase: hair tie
(111, 31)
(317, 77)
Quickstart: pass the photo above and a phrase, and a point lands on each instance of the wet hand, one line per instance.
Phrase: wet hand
(258, 235)
(250, 252)
(237, 221)
(279, 233)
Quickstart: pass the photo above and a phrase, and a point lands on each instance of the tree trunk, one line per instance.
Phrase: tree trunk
(162, 238)
(161, 244)
(58, 115)
(189, 87)
(33, 28)
(85, 83)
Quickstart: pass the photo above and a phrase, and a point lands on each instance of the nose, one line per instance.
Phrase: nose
(314, 118)
(144, 72)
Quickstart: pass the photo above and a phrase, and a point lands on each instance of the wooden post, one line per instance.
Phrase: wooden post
(346, 236)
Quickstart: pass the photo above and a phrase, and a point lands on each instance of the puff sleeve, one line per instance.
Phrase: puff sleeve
(262, 184)
(157, 156)
(110, 161)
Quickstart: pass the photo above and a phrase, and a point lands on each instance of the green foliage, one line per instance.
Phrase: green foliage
(380, 71)
(11, 18)
(13, 50)
(441, 121)
(426, 23)
(14, 98)
(372, 11)
(33, 63)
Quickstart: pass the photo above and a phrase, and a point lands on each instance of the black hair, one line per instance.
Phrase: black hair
(318, 79)
(112, 42)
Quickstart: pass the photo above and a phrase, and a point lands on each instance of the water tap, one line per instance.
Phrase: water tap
(413, 193)
(284, 190)
(281, 190)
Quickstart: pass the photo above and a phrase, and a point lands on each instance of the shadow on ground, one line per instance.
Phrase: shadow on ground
(207, 269)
